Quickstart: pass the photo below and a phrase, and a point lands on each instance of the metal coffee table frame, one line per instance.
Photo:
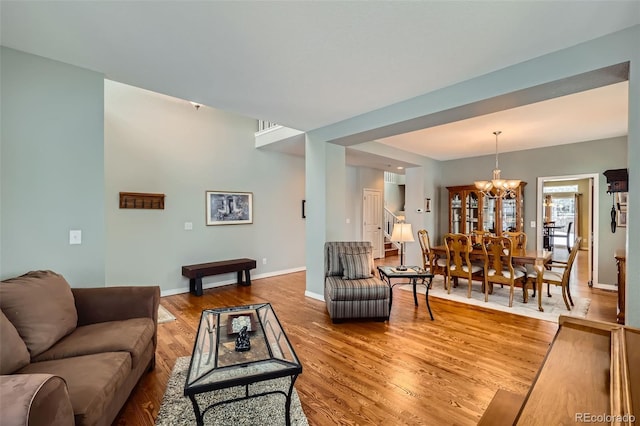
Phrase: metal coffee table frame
(215, 365)
(413, 274)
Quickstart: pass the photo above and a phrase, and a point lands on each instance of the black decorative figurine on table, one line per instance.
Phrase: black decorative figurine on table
(242, 341)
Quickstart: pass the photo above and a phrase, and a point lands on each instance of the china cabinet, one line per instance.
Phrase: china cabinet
(470, 210)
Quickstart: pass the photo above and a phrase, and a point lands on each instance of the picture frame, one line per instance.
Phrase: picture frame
(228, 208)
(621, 199)
(621, 217)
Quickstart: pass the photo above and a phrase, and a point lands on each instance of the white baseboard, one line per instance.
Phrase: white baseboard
(185, 289)
(611, 287)
(313, 295)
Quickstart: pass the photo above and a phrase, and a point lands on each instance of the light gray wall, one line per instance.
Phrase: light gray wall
(394, 197)
(159, 144)
(571, 159)
(364, 177)
(52, 173)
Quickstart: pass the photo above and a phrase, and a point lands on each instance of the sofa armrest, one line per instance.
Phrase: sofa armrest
(103, 304)
(35, 400)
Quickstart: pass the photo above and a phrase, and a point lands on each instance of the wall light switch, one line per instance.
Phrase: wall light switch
(75, 236)
(188, 226)
(533, 223)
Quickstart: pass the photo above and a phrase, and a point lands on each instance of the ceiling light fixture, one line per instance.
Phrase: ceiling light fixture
(497, 187)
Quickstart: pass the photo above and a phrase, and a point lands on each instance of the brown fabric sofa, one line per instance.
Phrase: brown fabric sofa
(72, 355)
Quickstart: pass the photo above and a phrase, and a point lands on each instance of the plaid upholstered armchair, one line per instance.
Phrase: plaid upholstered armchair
(351, 287)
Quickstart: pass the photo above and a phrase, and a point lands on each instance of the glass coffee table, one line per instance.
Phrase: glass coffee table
(412, 274)
(216, 364)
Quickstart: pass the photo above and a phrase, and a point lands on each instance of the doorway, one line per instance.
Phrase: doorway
(372, 218)
(570, 199)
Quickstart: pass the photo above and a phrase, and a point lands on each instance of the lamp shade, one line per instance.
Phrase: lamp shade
(402, 233)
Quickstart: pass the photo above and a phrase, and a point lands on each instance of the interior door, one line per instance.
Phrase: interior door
(372, 220)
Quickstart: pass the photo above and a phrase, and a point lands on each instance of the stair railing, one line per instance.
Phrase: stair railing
(390, 219)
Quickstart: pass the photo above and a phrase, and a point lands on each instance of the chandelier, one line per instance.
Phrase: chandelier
(497, 187)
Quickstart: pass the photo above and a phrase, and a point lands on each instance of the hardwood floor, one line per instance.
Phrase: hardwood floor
(409, 370)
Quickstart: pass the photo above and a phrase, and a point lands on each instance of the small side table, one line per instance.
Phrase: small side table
(413, 274)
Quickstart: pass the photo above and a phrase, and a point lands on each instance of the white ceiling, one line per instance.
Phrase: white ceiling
(590, 115)
(311, 64)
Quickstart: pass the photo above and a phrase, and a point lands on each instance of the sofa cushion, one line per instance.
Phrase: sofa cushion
(13, 352)
(41, 307)
(355, 266)
(92, 381)
(334, 249)
(132, 335)
(365, 289)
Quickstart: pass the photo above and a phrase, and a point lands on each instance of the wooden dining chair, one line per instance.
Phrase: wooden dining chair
(498, 266)
(518, 242)
(518, 239)
(559, 274)
(477, 236)
(430, 260)
(459, 264)
(566, 235)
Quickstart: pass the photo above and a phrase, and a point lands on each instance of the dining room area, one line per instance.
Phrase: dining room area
(464, 272)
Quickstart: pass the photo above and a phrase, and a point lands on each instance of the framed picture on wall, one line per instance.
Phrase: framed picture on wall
(621, 199)
(621, 218)
(229, 208)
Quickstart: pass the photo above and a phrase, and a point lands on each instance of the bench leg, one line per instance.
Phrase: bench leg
(247, 278)
(195, 286)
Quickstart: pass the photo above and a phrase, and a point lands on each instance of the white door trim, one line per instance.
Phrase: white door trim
(593, 218)
(379, 244)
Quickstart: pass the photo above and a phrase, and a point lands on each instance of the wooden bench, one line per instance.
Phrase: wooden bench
(196, 272)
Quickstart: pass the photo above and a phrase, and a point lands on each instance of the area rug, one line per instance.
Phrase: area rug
(176, 409)
(553, 306)
(164, 315)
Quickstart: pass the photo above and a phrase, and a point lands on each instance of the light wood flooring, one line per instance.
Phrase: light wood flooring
(409, 370)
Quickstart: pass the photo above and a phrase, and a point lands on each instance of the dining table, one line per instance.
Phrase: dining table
(537, 258)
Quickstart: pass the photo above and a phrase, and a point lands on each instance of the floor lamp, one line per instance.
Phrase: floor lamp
(402, 234)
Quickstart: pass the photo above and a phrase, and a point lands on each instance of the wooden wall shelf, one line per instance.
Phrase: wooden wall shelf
(141, 200)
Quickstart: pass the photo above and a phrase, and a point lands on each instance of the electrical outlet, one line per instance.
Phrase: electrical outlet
(264, 260)
(533, 223)
(188, 226)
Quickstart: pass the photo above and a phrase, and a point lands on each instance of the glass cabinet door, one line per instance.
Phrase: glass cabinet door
(471, 219)
(489, 214)
(456, 212)
(509, 215)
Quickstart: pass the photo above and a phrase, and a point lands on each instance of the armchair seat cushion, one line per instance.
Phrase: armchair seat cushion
(363, 289)
(517, 273)
(132, 336)
(551, 275)
(441, 262)
(474, 268)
